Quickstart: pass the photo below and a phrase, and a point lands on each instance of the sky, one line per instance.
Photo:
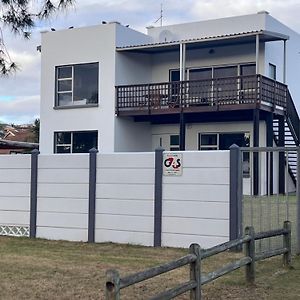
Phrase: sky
(20, 93)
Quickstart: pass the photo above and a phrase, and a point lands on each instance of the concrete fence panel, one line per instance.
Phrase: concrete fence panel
(195, 205)
(62, 197)
(14, 191)
(118, 197)
(124, 198)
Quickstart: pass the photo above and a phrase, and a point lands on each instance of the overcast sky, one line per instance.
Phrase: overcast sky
(19, 94)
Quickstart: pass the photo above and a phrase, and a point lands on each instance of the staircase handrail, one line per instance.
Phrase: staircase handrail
(293, 118)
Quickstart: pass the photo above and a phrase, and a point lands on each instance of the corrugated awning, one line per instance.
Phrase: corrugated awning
(212, 41)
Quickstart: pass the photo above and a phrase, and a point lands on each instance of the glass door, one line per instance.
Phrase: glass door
(200, 86)
(225, 84)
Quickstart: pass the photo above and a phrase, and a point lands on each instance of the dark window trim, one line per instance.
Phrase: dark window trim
(275, 69)
(56, 106)
(70, 131)
(238, 65)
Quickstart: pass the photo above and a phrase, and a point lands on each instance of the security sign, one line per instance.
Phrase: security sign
(172, 164)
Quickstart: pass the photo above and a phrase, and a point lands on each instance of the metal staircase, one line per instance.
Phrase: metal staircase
(291, 135)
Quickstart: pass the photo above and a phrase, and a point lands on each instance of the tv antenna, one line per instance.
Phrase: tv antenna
(161, 16)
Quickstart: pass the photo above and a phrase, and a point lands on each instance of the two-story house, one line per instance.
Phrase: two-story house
(193, 86)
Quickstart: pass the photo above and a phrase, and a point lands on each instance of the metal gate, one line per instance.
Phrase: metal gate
(265, 192)
(270, 191)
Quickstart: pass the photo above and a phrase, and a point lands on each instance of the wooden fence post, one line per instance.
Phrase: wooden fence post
(195, 272)
(112, 288)
(250, 252)
(287, 243)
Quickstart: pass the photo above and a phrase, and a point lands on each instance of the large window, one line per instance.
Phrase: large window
(77, 84)
(75, 142)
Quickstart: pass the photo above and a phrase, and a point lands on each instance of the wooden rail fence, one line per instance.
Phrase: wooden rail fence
(114, 283)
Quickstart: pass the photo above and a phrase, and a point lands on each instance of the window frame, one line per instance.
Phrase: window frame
(55, 145)
(174, 147)
(57, 92)
(274, 69)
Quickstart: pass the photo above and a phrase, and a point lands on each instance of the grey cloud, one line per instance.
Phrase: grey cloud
(23, 109)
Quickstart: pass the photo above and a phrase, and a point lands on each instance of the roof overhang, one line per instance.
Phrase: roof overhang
(213, 41)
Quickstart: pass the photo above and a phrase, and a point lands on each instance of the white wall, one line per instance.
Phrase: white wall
(225, 55)
(131, 136)
(196, 204)
(62, 204)
(208, 28)
(74, 46)
(274, 55)
(15, 190)
(193, 129)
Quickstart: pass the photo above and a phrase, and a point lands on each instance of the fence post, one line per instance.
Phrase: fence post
(236, 182)
(112, 287)
(250, 251)
(33, 193)
(92, 194)
(158, 196)
(287, 243)
(195, 272)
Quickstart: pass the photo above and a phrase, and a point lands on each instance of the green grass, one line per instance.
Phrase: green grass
(269, 212)
(40, 269)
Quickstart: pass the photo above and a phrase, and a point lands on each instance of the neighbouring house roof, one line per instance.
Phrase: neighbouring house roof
(18, 133)
(17, 139)
(4, 144)
(210, 41)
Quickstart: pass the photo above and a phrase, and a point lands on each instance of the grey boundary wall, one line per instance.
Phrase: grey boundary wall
(124, 197)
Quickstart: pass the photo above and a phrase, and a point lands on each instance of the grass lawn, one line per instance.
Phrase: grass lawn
(40, 269)
(269, 212)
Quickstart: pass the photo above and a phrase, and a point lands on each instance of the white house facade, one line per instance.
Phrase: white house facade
(194, 86)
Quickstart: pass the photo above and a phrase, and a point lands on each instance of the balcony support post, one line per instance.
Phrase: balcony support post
(256, 154)
(284, 62)
(270, 137)
(182, 61)
(257, 54)
(182, 132)
(281, 143)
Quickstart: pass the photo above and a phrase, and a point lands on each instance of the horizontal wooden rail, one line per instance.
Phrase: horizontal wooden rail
(141, 276)
(271, 253)
(224, 247)
(225, 270)
(114, 283)
(271, 233)
(172, 293)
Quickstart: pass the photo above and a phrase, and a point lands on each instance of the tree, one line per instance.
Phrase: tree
(21, 16)
(36, 130)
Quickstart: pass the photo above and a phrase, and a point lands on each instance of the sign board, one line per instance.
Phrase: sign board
(172, 164)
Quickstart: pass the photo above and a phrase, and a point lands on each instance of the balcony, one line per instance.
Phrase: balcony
(219, 94)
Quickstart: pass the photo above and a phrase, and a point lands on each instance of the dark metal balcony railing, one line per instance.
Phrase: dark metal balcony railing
(188, 95)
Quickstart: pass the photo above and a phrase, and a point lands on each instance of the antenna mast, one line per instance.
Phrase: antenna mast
(161, 15)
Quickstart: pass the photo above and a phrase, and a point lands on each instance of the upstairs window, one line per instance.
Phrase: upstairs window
(77, 84)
